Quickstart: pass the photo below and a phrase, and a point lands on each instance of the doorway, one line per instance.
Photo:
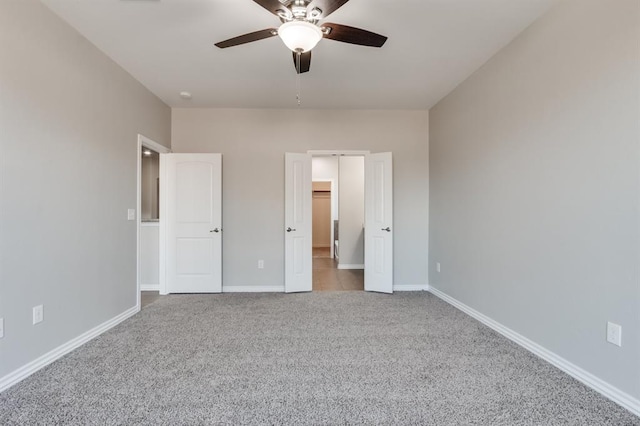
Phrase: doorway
(377, 218)
(337, 217)
(148, 220)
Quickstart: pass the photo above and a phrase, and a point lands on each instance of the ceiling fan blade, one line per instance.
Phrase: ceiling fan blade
(272, 6)
(326, 6)
(248, 38)
(353, 35)
(305, 62)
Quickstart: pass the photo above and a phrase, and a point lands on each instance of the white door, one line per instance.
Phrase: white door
(298, 226)
(192, 206)
(378, 216)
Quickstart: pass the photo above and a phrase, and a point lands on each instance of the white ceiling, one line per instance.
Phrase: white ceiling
(168, 45)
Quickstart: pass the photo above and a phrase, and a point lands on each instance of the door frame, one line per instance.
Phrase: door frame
(144, 142)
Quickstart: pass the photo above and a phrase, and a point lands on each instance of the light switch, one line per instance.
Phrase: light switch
(131, 214)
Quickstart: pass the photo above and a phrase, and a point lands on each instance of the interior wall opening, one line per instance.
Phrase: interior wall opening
(338, 222)
(148, 219)
(149, 226)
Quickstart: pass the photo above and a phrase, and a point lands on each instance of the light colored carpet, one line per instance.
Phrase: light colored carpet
(317, 358)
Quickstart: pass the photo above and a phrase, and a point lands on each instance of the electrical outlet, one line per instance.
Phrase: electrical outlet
(131, 214)
(260, 264)
(1, 328)
(38, 314)
(614, 334)
(438, 267)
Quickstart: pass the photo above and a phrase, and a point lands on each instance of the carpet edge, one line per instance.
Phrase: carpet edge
(28, 369)
(607, 390)
(410, 287)
(252, 289)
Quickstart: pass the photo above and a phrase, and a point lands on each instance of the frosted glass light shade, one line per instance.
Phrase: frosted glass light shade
(300, 35)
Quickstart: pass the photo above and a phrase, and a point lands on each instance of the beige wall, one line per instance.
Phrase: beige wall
(351, 215)
(253, 143)
(535, 189)
(70, 119)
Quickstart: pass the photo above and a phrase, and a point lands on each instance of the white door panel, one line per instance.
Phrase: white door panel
(194, 256)
(378, 244)
(194, 180)
(298, 223)
(192, 197)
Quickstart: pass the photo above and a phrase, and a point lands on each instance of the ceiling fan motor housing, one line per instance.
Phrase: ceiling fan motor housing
(298, 10)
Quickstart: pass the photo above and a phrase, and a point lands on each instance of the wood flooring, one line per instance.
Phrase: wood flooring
(148, 297)
(321, 252)
(327, 276)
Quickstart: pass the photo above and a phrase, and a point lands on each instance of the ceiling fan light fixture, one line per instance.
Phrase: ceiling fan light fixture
(300, 36)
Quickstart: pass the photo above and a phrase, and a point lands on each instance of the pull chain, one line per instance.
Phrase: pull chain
(298, 97)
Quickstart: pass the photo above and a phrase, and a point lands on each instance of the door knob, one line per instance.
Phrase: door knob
(289, 229)
(216, 230)
(387, 229)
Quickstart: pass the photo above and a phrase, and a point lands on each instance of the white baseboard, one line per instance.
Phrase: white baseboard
(149, 287)
(616, 395)
(350, 266)
(410, 287)
(57, 353)
(252, 289)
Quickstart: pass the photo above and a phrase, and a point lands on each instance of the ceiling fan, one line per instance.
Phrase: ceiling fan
(300, 30)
